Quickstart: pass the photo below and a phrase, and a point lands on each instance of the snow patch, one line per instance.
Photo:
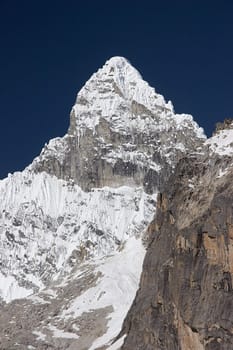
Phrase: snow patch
(40, 335)
(222, 173)
(37, 300)
(222, 142)
(58, 333)
(10, 289)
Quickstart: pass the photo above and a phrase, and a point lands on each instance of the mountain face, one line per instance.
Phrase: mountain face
(185, 297)
(121, 133)
(74, 224)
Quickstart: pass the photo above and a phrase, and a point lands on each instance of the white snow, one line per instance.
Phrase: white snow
(50, 292)
(10, 289)
(116, 287)
(58, 333)
(40, 335)
(117, 345)
(222, 172)
(222, 142)
(51, 218)
(37, 300)
(112, 92)
(57, 146)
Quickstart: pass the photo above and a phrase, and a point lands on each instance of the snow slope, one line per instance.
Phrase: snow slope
(49, 225)
(222, 142)
(118, 279)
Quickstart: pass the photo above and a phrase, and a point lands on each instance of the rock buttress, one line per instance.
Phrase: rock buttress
(185, 298)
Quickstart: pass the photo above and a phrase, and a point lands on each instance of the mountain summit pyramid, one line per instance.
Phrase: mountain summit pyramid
(73, 223)
(121, 132)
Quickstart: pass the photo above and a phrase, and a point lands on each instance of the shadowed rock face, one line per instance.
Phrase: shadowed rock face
(87, 160)
(185, 299)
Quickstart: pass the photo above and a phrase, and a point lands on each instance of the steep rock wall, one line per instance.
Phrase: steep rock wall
(185, 299)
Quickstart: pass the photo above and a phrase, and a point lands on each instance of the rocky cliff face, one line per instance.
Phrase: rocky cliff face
(185, 298)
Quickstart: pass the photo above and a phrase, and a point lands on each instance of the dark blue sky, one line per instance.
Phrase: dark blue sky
(50, 48)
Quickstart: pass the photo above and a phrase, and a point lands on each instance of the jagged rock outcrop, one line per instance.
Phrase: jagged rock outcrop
(185, 298)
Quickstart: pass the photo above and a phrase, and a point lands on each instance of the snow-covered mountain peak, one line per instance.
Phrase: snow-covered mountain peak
(116, 72)
(116, 89)
(122, 132)
(120, 67)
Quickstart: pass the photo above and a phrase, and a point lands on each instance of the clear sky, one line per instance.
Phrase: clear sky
(50, 48)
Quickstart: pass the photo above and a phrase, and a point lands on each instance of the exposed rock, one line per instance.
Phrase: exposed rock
(185, 298)
(35, 321)
(226, 124)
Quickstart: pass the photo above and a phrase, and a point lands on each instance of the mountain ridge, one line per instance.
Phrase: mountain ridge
(87, 203)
